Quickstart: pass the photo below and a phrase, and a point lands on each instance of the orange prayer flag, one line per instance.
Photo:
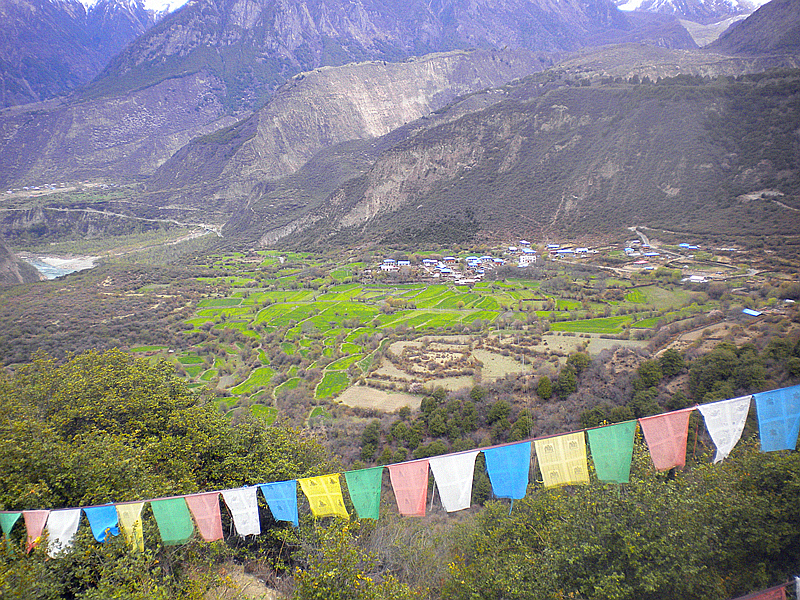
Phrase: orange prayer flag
(410, 484)
(666, 436)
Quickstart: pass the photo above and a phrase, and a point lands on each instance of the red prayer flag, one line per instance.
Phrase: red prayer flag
(666, 437)
(410, 484)
(205, 510)
(34, 523)
(774, 593)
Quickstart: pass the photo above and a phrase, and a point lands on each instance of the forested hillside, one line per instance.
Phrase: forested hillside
(105, 427)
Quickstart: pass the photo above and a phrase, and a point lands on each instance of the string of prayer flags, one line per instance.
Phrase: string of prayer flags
(62, 525)
(173, 520)
(453, 474)
(34, 524)
(324, 494)
(205, 510)
(130, 522)
(103, 520)
(243, 504)
(778, 418)
(612, 451)
(666, 436)
(725, 422)
(410, 485)
(364, 486)
(281, 498)
(508, 468)
(562, 459)
(7, 521)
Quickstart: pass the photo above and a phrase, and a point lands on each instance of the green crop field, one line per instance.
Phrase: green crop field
(608, 325)
(333, 383)
(345, 362)
(260, 377)
(142, 349)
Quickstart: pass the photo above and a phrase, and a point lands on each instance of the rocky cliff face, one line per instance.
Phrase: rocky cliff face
(554, 158)
(329, 106)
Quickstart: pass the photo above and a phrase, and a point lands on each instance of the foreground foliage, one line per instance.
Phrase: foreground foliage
(716, 532)
(104, 427)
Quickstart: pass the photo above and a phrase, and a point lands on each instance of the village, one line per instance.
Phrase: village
(696, 264)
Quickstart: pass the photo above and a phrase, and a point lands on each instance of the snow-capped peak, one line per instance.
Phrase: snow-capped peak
(156, 6)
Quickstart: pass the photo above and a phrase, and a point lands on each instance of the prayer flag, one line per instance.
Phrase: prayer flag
(243, 504)
(61, 528)
(778, 418)
(725, 422)
(130, 522)
(410, 484)
(205, 510)
(612, 451)
(562, 459)
(666, 435)
(173, 519)
(34, 523)
(774, 593)
(453, 474)
(103, 520)
(508, 468)
(324, 494)
(281, 498)
(7, 520)
(364, 486)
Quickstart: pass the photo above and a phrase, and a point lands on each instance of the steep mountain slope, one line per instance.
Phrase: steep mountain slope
(687, 154)
(772, 29)
(329, 106)
(115, 138)
(14, 270)
(256, 45)
(698, 11)
(49, 47)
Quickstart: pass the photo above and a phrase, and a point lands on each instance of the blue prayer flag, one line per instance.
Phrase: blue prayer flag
(778, 418)
(281, 498)
(508, 468)
(103, 521)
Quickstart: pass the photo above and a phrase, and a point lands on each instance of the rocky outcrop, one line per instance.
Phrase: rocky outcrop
(14, 270)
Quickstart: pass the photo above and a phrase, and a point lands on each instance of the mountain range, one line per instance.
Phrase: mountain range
(321, 121)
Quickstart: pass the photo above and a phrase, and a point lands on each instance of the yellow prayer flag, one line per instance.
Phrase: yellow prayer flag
(562, 459)
(130, 521)
(324, 493)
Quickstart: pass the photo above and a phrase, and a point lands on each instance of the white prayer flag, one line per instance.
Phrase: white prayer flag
(725, 422)
(243, 504)
(453, 474)
(61, 528)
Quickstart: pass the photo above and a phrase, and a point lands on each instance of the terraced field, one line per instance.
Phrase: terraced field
(284, 316)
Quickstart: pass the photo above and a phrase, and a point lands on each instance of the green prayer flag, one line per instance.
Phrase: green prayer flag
(612, 451)
(364, 486)
(174, 520)
(7, 521)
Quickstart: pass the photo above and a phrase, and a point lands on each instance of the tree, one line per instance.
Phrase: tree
(671, 363)
(567, 382)
(544, 388)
